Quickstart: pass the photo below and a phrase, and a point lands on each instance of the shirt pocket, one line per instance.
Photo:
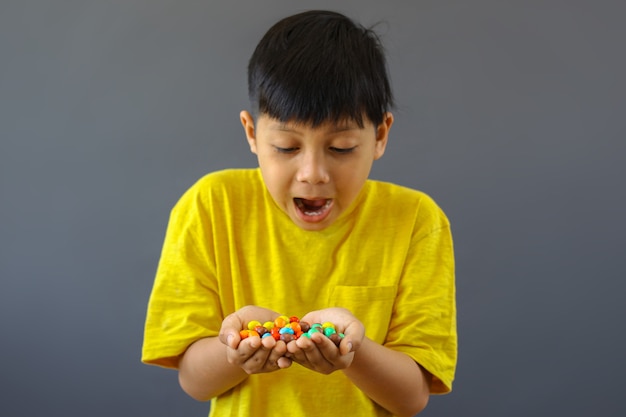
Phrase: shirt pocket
(371, 305)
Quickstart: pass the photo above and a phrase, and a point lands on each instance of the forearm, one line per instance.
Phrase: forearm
(204, 371)
(390, 378)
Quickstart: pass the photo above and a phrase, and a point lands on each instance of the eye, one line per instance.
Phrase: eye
(285, 150)
(342, 150)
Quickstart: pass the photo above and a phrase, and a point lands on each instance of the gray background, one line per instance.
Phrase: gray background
(510, 114)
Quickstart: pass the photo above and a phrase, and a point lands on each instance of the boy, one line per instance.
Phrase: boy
(308, 234)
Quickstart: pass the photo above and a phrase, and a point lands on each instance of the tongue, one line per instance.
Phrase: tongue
(313, 204)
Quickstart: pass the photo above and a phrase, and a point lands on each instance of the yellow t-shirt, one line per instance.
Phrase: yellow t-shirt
(388, 259)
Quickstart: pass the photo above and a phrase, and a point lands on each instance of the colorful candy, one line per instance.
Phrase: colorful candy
(290, 328)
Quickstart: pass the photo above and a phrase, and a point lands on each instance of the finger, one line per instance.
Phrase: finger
(313, 351)
(249, 346)
(283, 362)
(272, 352)
(353, 336)
(241, 353)
(258, 359)
(278, 351)
(295, 349)
(327, 349)
(229, 332)
(268, 342)
(230, 338)
(346, 346)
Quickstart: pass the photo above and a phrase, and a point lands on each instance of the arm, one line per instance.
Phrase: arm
(204, 372)
(390, 378)
(213, 365)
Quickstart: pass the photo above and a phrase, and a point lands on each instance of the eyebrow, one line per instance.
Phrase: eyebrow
(338, 128)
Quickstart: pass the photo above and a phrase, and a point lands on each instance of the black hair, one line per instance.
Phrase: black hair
(319, 66)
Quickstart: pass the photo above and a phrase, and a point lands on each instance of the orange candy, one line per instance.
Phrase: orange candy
(280, 322)
(248, 333)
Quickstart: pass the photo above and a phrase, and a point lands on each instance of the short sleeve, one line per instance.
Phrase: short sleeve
(184, 301)
(423, 323)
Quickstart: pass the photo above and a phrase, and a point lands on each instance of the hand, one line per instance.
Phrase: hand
(319, 353)
(253, 354)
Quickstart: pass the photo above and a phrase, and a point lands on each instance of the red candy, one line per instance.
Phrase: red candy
(275, 332)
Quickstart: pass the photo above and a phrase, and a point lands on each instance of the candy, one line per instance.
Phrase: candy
(253, 324)
(291, 328)
(335, 338)
(280, 322)
(275, 332)
(261, 330)
(328, 324)
(248, 333)
(287, 337)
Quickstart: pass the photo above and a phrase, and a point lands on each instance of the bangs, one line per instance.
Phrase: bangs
(319, 67)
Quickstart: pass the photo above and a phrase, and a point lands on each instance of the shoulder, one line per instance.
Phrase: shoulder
(222, 186)
(404, 202)
(227, 178)
(399, 196)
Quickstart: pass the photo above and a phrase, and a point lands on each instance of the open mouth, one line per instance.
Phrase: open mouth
(313, 208)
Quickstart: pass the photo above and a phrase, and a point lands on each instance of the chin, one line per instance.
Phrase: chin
(311, 226)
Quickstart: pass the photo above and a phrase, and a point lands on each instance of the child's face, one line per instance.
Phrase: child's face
(314, 174)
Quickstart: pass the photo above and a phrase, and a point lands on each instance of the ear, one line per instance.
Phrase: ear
(248, 126)
(382, 135)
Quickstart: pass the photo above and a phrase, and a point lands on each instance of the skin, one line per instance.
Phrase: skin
(330, 162)
(327, 165)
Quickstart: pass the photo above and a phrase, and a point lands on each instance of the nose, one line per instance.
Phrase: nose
(312, 169)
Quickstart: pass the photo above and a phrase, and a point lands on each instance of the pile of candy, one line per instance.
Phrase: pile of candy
(290, 328)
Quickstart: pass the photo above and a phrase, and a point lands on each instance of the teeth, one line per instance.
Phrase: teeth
(313, 212)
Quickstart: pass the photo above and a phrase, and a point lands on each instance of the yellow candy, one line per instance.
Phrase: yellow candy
(253, 324)
(268, 325)
(328, 324)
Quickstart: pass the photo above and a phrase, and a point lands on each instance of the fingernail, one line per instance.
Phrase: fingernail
(229, 338)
